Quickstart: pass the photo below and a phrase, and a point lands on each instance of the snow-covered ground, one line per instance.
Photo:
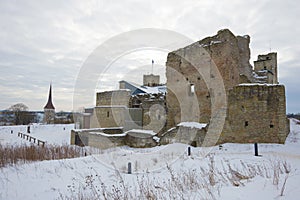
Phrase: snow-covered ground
(165, 172)
(51, 134)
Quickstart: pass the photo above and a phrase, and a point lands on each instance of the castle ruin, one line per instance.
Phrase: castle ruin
(211, 85)
(255, 108)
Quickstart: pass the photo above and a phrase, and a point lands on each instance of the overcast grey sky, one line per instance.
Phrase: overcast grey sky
(44, 41)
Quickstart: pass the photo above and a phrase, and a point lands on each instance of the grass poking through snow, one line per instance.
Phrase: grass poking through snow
(11, 155)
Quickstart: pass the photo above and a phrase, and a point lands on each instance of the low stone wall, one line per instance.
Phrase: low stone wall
(139, 140)
(99, 138)
(105, 142)
(186, 135)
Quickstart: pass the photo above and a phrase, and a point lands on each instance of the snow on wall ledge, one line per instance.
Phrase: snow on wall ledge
(193, 125)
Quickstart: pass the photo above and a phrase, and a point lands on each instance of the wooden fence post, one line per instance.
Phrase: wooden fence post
(129, 168)
(255, 149)
(189, 151)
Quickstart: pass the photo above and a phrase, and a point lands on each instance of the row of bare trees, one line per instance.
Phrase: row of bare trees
(19, 114)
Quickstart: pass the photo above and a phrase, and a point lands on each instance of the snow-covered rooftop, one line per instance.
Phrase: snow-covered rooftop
(148, 89)
(154, 90)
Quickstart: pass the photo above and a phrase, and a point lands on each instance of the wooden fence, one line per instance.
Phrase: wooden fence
(31, 139)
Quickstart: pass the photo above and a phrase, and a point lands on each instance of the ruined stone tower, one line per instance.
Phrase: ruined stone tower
(151, 80)
(266, 68)
(207, 73)
(49, 109)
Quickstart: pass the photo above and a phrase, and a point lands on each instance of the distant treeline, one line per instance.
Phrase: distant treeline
(292, 115)
(8, 117)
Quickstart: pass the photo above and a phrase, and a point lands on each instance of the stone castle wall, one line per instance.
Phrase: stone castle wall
(186, 135)
(120, 109)
(96, 139)
(267, 63)
(151, 80)
(153, 107)
(113, 98)
(256, 113)
(110, 109)
(110, 116)
(205, 65)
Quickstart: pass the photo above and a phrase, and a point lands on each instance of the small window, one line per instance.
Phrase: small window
(265, 67)
(208, 95)
(243, 108)
(107, 114)
(194, 144)
(192, 88)
(246, 123)
(271, 126)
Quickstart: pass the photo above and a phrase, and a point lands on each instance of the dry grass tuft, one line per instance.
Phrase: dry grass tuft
(12, 155)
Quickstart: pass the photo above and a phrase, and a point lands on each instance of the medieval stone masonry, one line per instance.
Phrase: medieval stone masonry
(213, 95)
(256, 106)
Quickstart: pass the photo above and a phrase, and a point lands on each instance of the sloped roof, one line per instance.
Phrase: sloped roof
(137, 89)
(49, 104)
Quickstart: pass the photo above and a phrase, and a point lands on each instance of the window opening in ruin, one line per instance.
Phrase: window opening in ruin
(243, 109)
(78, 140)
(265, 67)
(246, 123)
(208, 95)
(194, 144)
(192, 88)
(199, 78)
(107, 114)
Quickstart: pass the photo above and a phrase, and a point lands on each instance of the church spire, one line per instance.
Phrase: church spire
(49, 104)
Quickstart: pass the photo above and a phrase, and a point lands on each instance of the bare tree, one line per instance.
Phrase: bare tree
(19, 107)
(20, 111)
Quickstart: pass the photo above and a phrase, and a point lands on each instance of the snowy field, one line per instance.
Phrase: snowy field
(57, 134)
(165, 172)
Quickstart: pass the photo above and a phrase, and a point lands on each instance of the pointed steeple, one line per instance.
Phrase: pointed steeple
(49, 104)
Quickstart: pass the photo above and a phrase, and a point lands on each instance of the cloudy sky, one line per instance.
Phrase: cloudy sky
(44, 41)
